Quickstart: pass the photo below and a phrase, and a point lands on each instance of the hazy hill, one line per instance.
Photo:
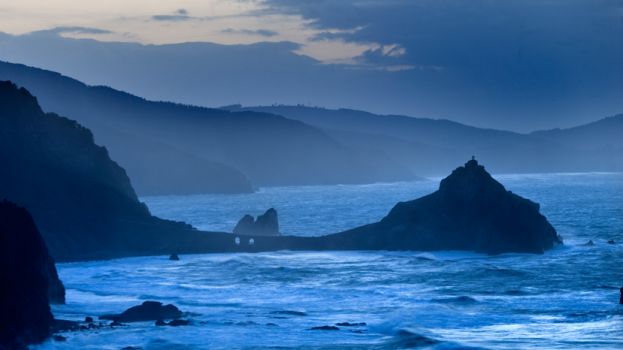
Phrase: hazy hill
(432, 147)
(603, 134)
(154, 140)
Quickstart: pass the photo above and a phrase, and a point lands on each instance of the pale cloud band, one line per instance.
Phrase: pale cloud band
(165, 22)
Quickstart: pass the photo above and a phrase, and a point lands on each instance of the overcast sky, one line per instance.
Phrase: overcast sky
(521, 65)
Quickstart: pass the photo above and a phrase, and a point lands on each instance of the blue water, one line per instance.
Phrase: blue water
(564, 299)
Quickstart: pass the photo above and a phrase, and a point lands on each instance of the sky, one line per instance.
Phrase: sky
(518, 65)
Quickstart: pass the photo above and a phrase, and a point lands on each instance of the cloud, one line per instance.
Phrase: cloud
(178, 15)
(76, 30)
(257, 32)
(525, 49)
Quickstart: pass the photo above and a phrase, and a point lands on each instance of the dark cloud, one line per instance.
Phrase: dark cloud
(539, 52)
(258, 32)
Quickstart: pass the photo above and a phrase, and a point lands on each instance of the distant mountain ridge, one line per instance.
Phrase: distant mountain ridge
(431, 147)
(194, 149)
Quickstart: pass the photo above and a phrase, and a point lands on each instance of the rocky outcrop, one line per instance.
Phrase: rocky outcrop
(266, 224)
(26, 272)
(470, 211)
(147, 311)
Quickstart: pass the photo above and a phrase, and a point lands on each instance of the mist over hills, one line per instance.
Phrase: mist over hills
(430, 147)
(169, 148)
(172, 148)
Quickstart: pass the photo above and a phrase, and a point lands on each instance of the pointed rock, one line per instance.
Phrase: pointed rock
(470, 211)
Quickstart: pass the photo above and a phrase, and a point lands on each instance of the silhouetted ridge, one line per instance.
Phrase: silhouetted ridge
(432, 147)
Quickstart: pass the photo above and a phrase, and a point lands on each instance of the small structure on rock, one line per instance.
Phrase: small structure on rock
(266, 224)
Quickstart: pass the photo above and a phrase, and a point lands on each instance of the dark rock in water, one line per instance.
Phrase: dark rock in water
(612, 241)
(176, 323)
(621, 297)
(25, 268)
(470, 211)
(325, 328)
(88, 319)
(116, 324)
(147, 311)
(590, 243)
(266, 224)
(174, 257)
(131, 348)
(65, 326)
(59, 338)
(172, 323)
(349, 324)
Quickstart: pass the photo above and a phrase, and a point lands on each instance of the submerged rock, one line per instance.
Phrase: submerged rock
(25, 273)
(266, 224)
(470, 211)
(147, 311)
(174, 257)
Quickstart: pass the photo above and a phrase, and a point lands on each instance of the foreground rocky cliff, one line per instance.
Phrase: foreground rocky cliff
(27, 277)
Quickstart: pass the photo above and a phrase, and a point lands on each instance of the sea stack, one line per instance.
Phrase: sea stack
(470, 211)
(266, 224)
(28, 279)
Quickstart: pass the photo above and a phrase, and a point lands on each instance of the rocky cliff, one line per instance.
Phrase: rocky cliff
(28, 277)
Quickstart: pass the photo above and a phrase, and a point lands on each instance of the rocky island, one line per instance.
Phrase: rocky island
(470, 211)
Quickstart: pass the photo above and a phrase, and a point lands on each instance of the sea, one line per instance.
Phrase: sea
(567, 298)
